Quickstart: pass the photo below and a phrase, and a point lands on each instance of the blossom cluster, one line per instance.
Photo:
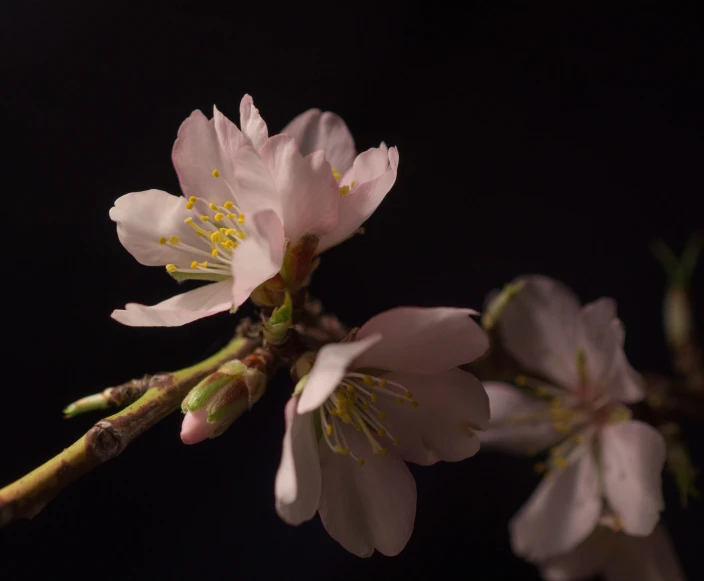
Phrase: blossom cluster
(255, 213)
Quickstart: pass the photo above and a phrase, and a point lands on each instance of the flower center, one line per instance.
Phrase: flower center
(354, 402)
(344, 190)
(219, 230)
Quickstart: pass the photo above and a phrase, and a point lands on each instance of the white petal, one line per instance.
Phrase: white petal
(181, 309)
(297, 485)
(306, 187)
(143, 218)
(633, 455)
(251, 122)
(452, 406)
(518, 422)
(367, 507)
(560, 514)
(259, 256)
(315, 131)
(360, 203)
(540, 328)
(423, 340)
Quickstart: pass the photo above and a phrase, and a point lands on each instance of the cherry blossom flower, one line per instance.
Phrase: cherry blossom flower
(617, 557)
(391, 394)
(597, 455)
(255, 210)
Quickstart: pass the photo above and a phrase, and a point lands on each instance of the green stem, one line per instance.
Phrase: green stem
(106, 439)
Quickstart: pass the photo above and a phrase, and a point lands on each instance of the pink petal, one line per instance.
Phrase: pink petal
(297, 485)
(259, 256)
(423, 340)
(375, 173)
(368, 507)
(195, 427)
(201, 147)
(607, 366)
(651, 558)
(314, 131)
(633, 455)
(308, 191)
(452, 406)
(181, 309)
(584, 562)
(561, 512)
(540, 328)
(621, 381)
(251, 122)
(145, 217)
(509, 429)
(329, 368)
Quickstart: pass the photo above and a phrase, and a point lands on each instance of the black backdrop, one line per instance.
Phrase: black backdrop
(531, 139)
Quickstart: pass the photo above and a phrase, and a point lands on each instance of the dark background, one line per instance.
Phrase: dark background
(550, 140)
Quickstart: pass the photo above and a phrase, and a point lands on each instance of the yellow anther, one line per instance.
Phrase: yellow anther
(561, 463)
(241, 219)
(368, 380)
(205, 218)
(194, 264)
(216, 173)
(215, 237)
(396, 441)
(337, 449)
(239, 235)
(374, 397)
(162, 240)
(358, 427)
(399, 399)
(232, 216)
(171, 268)
(230, 231)
(174, 240)
(344, 190)
(414, 404)
(189, 205)
(382, 382)
(382, 415)
(353, 184)
(204, 264)
(345, 451)
(219, 216)
(520, 380)
(381, 432)
(193, 199)
(360, 462)
(328, 429)
(228, 204)
(189, 220)
(214, 252)
(336, 174)
(409, 395)
(350, 388)
(383, 452)
(213, 207)
(579, 438)
(539, 467)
